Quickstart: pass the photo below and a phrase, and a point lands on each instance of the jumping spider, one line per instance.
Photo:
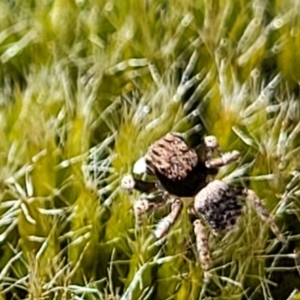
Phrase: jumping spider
(181, 171)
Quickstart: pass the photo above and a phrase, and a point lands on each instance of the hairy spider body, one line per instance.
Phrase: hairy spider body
(184, 172)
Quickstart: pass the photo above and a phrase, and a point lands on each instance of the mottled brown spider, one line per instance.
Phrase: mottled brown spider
(181, 171)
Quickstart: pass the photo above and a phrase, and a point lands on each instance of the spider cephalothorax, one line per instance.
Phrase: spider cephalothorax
(181, 171)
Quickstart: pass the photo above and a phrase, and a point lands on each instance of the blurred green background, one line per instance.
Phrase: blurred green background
(86, 86)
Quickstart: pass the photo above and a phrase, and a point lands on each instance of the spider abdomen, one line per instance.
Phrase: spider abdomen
(219, 204)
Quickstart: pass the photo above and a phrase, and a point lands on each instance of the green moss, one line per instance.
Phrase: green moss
(97, 82)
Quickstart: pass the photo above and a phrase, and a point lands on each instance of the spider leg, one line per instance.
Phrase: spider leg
(164, 226)
(156, 199)
(263, 213)
(129, 183)
(212, 147)
(140, 207)
(224, 160)
(147, 203)
(202, 248)
(201, 242)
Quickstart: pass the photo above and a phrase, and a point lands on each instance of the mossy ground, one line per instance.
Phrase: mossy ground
(86, 86)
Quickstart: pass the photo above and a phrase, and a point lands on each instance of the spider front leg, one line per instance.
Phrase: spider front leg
(164, 226)
(129, 183)
(156, 198)
(211, 147)
(147, 203)
(263, 213)
(224, 160)
(153, 202)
